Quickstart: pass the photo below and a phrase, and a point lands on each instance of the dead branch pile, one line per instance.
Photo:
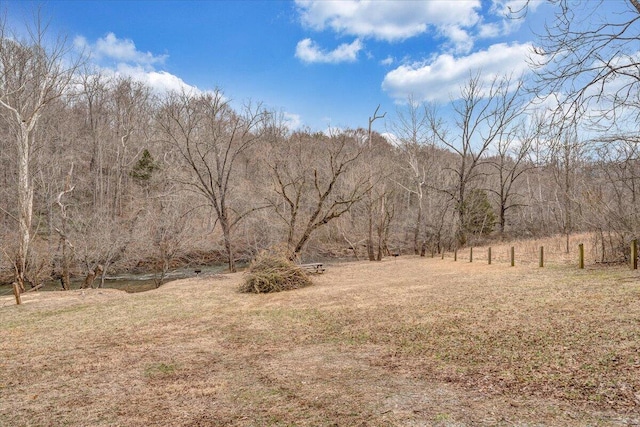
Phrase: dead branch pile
(273, 273)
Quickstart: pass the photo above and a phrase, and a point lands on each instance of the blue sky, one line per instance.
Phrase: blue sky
(320, 62)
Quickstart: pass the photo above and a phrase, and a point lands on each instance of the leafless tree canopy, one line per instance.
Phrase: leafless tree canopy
(586, 57)
(98, 174)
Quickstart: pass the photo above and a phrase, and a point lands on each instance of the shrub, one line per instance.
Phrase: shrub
(479, 215)
(273, 273)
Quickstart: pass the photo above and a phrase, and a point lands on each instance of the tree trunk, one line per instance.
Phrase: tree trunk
(370, 251)
(65, 280)
(416, 233)
(381, 228)
(567, 189)
(226, 233)
(91, 277)
(461, 232)
(163, 272)
(25, 206)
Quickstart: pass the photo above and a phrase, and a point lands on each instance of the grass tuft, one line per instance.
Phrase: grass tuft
(159, 370)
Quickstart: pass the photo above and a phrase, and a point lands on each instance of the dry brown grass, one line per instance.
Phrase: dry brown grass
(406, 342)
(273, 273)
(527, 252)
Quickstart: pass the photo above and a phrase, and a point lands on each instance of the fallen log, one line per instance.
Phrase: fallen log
(35, 288)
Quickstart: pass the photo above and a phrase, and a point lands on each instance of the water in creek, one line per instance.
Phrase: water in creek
(129, 282)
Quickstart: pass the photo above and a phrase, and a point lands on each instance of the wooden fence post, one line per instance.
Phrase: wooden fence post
(455, 254)
(634, 254)
(489, 255)
(471, 254)
(541, 256)
(513, 256)
(442, 253)
(581, 255)
(16, 292)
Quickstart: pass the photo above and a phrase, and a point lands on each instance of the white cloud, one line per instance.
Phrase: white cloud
(119, 57)
(292, 121)
(458, 23)
(308, 51)
(386, 20)
(500, 28)
(158, 81)
(112, 48)
(459, 38)
(514, 8)
(331, 131)
(490, 30)
(441, 78)
(391, 138)
(387, 61)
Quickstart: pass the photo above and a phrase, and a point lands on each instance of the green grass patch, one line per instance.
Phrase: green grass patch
(160, 370)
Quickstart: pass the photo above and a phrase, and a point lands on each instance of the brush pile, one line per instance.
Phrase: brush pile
(273, 273)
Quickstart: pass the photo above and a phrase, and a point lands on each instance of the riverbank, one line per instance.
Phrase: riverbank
(130, 282)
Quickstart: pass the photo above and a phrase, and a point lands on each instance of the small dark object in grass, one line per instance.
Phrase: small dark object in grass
(273, 273)
(197, 271)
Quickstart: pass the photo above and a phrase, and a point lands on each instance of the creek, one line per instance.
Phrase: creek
(129, 282)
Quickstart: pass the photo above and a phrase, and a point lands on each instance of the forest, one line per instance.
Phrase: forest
(99, 170)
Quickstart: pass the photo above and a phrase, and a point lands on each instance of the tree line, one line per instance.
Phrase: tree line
(100, 173)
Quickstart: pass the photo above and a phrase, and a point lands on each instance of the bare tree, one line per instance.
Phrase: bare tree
(129, 103)
(413, 131)
(33, 73)
(210, 137)
(93, 113)
(63, 232)
(567, 152)
(511, 162)
(481, 116)
(169, 230)
(587, 55)
(613, 195)
(314, 183)
(377, 195)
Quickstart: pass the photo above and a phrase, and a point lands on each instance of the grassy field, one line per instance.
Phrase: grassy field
(404, 342)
